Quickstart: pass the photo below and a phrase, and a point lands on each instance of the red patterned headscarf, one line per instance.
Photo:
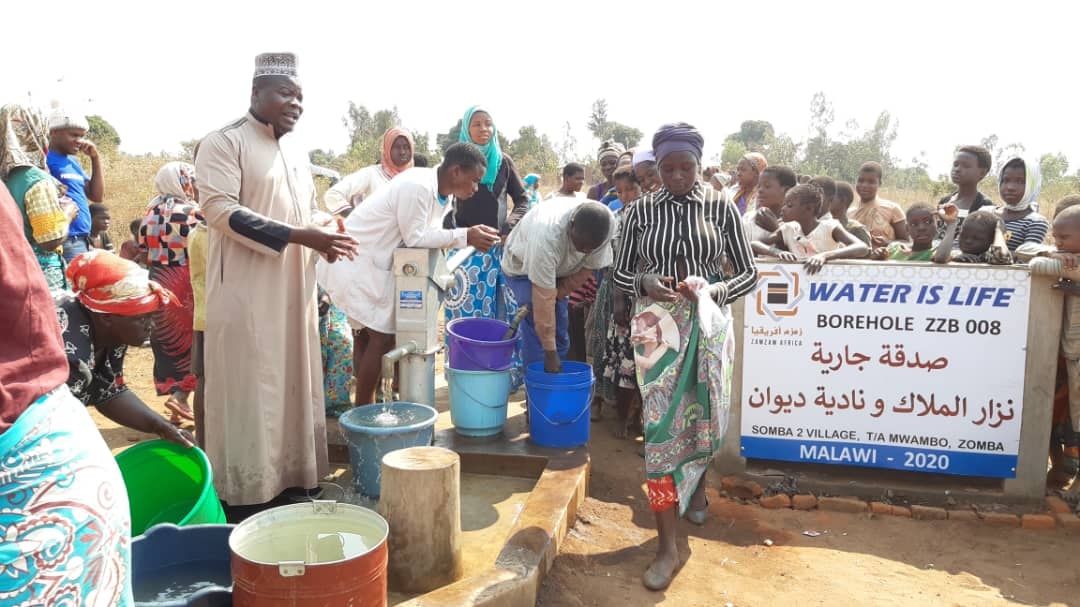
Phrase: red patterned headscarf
(109, 284)
(389, 137)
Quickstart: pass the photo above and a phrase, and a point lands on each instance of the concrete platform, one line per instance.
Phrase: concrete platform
(521, 529)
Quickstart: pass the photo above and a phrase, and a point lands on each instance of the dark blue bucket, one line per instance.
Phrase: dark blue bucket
(559, 404)
(477, 344)
(369, 441)
(182, 566)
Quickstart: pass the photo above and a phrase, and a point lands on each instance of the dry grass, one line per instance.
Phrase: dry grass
(129, 187)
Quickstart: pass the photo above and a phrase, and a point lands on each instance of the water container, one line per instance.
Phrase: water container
(182, 566)
(559, 404)
(477, 344)
(321, 554)
(167, 483)
(369, 441)
(478, 401)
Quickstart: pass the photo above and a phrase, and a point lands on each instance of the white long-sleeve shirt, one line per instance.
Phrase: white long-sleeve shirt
(405, 213)
(354, 188)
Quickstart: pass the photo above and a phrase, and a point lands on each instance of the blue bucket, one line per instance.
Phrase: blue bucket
(369, 441)
(477, 344)
(478, 401)
(559, 404)
(182, 566)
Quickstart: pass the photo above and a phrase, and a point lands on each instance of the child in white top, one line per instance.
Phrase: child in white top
(804, 237)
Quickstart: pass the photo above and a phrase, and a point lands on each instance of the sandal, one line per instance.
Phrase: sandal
(698, 517)
(179, 410)
(657, 581)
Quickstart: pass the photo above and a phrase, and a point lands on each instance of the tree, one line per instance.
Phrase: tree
(628, 136)
(606, 129)
(187, 148)
(444, 140)
(533, 153)
(599, 124)
(1054, 167)
(754, 135)
(759, 136)
(782, 150)
(322, 158)
(365, 135)
(733, 151)
(422, 146)
(843, 155)
(568, 147)
(102, 133)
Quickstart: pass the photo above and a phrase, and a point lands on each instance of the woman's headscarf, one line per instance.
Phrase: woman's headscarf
(747, 195)
(643, 155)
(174, 182)
(23, 139)
(388, 139)
(610, 148)
(109, 284)
(677, 137)
(491, 150)
(1032, 184)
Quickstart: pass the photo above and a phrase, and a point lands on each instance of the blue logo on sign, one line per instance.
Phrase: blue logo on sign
(411, 300)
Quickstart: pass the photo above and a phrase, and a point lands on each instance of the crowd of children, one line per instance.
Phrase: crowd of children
(812, 220)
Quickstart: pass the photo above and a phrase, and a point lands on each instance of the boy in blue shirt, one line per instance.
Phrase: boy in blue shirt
(67, 134)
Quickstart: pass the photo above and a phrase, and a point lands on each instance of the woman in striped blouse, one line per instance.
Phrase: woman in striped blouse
(675, 242)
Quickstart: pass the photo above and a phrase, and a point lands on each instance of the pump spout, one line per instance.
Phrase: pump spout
(446, 280)
(393, 356)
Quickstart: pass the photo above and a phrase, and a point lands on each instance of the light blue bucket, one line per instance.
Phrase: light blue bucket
(478, 401)
(369, 441)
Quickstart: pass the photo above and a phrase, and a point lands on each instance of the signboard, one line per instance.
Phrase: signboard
(410, 300)
(909, 367)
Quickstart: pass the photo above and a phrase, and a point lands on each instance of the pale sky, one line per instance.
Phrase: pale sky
(950, 72)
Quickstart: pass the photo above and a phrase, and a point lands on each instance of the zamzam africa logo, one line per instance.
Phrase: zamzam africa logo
(778, 293)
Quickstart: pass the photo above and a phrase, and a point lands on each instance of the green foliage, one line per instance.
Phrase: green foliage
(841, 156)
(188, 149)
(759, 136)
(422, 146)
(1054, 167)
(365, 136)
(102, 133)
(733, 151)
(604, 128)
(533, 153)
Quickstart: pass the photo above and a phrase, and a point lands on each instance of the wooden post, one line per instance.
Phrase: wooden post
(421, 501)
(1043, 337)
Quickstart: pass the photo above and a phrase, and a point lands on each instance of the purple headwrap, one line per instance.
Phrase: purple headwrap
(643, 155)
(677, 137)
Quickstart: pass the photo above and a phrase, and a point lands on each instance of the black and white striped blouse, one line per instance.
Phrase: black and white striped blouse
(685, 236)
(1032, 228)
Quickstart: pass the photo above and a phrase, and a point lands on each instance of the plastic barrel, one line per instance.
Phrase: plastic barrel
(167, 556)
(167, 483)
(559, 404)
(369, 441)
(322, 554)
(477, 344)
(478, 401)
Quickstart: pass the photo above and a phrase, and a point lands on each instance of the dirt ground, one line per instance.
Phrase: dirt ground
(855, 561)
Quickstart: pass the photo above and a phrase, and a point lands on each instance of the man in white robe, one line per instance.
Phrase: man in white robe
(265, 419)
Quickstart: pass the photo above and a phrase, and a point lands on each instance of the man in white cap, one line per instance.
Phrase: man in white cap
(67, 137)
(264, 414)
